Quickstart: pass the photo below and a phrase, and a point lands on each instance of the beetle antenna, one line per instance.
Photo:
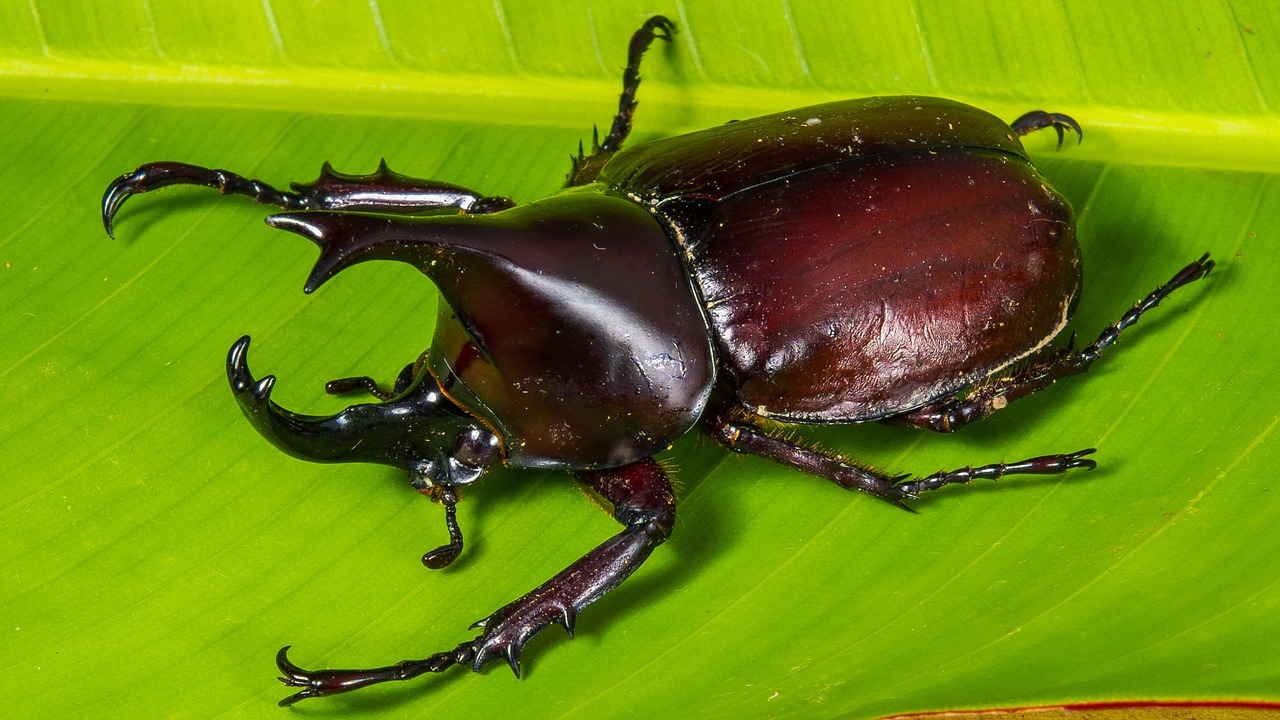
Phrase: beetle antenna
(445, 554)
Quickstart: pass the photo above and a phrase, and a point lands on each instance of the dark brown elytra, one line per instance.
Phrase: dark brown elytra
(894, 259)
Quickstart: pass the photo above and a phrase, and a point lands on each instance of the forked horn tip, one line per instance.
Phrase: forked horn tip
(241, 378)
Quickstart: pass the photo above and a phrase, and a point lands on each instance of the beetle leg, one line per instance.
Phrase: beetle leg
(655, 27)
(381, 191)
(1039, 119)
(442, 556)
(642, 500)
(154, 176)
(348, 385)
(1043, 465)
(343, 386)
(950, 413)
(745, 436)
(585, 168)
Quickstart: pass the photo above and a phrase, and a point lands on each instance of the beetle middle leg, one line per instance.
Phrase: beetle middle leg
(747, 436)
(383, 190)
(950, 413)
(642, 501)
(586, 168)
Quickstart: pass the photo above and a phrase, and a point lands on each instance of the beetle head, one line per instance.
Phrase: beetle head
(419, 430)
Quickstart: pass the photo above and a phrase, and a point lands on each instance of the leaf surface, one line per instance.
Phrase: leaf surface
(156, 553)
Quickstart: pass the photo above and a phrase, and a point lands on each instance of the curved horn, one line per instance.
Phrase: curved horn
(397, 433)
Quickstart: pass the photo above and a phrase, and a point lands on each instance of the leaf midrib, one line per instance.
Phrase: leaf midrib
(1137, 136)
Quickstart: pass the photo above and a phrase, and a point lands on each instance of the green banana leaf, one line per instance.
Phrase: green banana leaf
(155, 552)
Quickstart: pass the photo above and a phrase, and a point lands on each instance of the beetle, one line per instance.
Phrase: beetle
(889, 259)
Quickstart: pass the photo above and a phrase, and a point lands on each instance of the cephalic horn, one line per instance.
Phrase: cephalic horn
(396, 433)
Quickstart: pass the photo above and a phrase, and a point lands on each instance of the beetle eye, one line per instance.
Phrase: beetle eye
(477, 448)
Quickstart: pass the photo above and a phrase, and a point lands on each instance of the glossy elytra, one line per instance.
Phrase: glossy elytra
(894, 259)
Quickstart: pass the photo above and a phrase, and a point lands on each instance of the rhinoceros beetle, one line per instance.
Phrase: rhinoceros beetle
(893, 259)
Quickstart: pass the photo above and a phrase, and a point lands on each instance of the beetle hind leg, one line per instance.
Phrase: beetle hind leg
(586, 167)
(642, 501)
(1039, 120)
(745, 436)
(1043, 465)
(950, 413)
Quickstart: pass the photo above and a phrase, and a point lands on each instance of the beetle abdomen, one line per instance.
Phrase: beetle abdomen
(719, 161)
(873, 286)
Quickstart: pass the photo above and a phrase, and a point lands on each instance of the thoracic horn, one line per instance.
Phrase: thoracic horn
(542, 302)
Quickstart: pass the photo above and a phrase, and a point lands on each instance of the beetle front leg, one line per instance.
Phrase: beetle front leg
(343, 386)
(585, 168)
(642, 500)
(951, 413)
(381, 191)
(748, 437)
